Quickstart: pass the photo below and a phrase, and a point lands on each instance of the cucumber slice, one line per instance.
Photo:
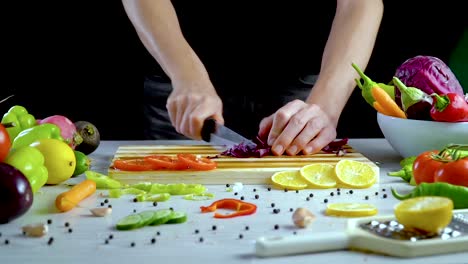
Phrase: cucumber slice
(177, 218)
(147, 217)
(161, 216)
(129, 222)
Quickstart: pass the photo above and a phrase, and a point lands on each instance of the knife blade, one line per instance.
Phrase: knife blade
(218, 134)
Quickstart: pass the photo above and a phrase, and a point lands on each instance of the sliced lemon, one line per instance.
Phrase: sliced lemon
(351, 209)
(427, 213)
(319, 175)
(290, 180)
(355, 174)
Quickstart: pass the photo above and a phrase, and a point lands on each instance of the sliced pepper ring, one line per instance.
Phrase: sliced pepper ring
(240, 207)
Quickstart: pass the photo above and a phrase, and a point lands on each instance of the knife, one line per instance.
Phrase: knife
(217, 134)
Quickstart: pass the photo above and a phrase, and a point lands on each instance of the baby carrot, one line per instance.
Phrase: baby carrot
(69, 199)
(387, 103)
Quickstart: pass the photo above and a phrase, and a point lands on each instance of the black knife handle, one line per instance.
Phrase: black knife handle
(209, 126)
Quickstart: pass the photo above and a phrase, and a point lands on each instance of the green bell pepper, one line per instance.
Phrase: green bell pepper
(28, 136)
(30, 161)
(20, 118)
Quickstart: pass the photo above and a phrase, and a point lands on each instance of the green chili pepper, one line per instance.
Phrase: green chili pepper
(37, 132)
(458, 194)
(30, 162)
(406, 172)
(366, 87)
(20, 119)
(160, 197)
(102, 181)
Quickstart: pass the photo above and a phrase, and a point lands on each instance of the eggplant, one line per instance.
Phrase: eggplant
(16, 196)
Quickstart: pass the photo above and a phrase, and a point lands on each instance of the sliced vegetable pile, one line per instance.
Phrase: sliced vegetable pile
(422, 88)
(181, 161)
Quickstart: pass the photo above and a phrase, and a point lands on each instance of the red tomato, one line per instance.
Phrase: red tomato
(190, 161)
(424, 167)
(138, 164)
(5, 143)
(453, 172)
(161, 162)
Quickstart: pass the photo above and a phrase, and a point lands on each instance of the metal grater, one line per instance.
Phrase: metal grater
(394, 230)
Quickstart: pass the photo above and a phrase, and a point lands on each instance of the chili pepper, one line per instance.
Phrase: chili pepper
(406, 171)
(240, 208)
(102, 181)
(458, 194)
(385, 104)
(366, 88)
(450, 107)
(20, 118)
(34, 133)
(30, 161)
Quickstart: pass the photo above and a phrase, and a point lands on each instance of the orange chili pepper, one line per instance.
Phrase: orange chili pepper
(240, 208)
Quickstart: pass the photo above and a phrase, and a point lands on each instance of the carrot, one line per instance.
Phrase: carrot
(387, 103)
(69, 199)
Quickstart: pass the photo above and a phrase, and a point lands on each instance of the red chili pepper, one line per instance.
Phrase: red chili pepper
(450, 107)
(241, 208)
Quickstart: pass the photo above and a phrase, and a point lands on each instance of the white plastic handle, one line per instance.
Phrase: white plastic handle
(296, 244)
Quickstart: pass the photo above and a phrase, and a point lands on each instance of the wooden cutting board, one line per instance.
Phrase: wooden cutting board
(229, 169)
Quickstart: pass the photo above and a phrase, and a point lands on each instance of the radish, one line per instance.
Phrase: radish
(67, 129)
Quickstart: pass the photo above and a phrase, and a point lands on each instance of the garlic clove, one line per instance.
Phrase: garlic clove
(101, 211)
(35, 230)
(303, 217)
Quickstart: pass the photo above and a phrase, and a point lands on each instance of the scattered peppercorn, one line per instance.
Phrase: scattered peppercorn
(134, 210)
(132, 244)
(297, 191)
(338, 193)
(106, 201)
(235, 193)
(350, 191)
(337, 189)
(376, 193)
(67, 224)
(227, 185)
(170, 208)
(367, 197)
(276, 210)
(290, 209)
(269, 189)
(51, 240)
(111, 236)
(285, 190)
(102, 204)
(246, 227)
(241, 236)
(254, 190)
(110, 206)
(153, 240)
(311, 195)
(158, 233)
(384, 196)
(272, 204)
(201, 239)
(0, 234)
(276, 226)
(197, 231)
(242, 198)
(49, 221)
(135, 200)
(256, 196)
(213, 227)
(383, 190)
(7, 241)
(331, 194)
(70, 230)
(294, 233)
(155, 203)
(307, 199)
(106, 241)
(325, 200)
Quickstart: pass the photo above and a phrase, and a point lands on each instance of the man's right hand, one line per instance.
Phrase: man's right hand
(190, 103)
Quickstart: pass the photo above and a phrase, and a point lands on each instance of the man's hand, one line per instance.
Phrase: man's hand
(297, 127)
(190, 103)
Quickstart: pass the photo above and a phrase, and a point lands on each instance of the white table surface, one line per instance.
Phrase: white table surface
(179, 243)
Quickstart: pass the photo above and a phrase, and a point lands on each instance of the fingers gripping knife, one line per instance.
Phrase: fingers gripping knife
(382, 235)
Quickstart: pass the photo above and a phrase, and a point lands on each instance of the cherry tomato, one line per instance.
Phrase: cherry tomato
(5, 143)
(190, 161)
(424, 167)
(138, 164)
(161, 162)
(453, 172)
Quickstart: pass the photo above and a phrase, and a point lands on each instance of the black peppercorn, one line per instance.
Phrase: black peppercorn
(111, 236)
(49, 221)
(201, 239)
(285, 190)
(276, 226)
(256, 196)
(70, 230)
(307, 199)
(325, 201)
(106, 241)
(350, 191)
(254, 190)
(132, 244)
(366, 197)
(106, 201)
(272, 204)
(213, 227)
(297, 191)
(67, 224)
(376, 193)
(331, 194)
(338, 193)
(241, 236)
(110, 206)
(311, 195)
(235, 193)
(155, 203)
(246, 227)
(269, 189)
(134, 210)
(227, 185)
(158, 233)
(384, 196)
(242, 198)
(51, 240)
(153, 240)
(290, 209)
(7, 241)
(135, 200)
(102, 204)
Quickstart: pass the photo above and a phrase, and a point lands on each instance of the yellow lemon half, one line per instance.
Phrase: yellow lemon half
(59, 159)
(426, 213)
(351, 209)
(319, 175)
(355, 174)
(290, 180)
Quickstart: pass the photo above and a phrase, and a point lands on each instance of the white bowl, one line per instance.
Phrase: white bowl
(411, 137)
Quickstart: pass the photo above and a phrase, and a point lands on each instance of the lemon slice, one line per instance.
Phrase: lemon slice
(319, 175)
(290, 180)
(355, 174)
(351, 209)
(426, 213)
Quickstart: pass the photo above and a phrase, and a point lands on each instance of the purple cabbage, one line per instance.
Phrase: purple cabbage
(428, 73)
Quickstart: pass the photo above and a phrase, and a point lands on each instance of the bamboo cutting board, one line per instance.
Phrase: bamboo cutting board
(229, 169)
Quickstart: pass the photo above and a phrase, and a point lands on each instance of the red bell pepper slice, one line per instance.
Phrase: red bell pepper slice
(240, 207)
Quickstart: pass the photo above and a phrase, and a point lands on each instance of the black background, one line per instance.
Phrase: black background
(83, 60)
